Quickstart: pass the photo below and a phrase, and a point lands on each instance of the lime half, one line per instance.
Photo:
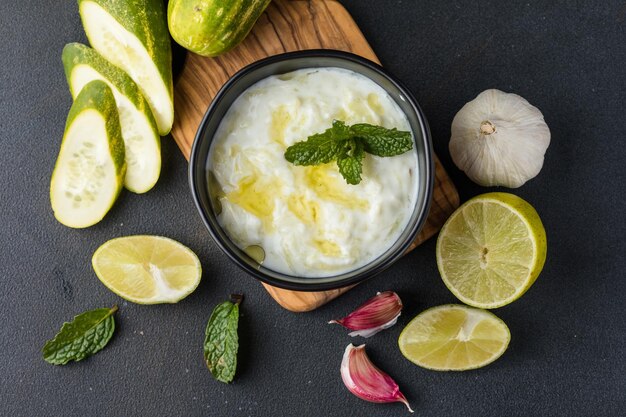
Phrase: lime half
(147, 269)
(491, 250)
(454, 338)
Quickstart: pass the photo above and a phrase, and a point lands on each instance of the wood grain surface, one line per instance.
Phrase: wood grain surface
(289, 25)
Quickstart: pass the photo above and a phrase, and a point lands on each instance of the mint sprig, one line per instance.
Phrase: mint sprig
(221, 341)
(347, 145)
(88, 333)
(350, 161)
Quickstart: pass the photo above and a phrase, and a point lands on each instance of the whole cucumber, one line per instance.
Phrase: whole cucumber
(212, 27)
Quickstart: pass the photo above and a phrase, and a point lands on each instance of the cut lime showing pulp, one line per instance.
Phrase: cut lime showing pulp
(147, 269)
(454, 338)
(491, 250)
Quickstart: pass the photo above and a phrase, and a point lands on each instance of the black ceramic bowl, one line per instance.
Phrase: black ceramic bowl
(204, 192)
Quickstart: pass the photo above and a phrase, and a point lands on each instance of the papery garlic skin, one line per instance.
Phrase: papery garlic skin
(371, 332)
(499, 139)
(378, 313)
(366, 381)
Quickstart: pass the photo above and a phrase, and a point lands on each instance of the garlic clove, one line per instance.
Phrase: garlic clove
(366, 381)
(378, 313)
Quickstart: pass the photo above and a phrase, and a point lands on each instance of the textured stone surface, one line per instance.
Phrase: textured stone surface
(566, 356)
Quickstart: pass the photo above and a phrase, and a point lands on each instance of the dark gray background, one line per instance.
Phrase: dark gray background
(566, 356)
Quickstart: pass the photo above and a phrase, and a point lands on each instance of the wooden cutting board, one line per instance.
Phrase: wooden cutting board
(289, 25)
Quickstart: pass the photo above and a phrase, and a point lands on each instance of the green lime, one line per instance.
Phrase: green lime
(491, 250)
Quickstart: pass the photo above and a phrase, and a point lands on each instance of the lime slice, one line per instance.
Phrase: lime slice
(454, 338)
(491, 250)
(147, 269)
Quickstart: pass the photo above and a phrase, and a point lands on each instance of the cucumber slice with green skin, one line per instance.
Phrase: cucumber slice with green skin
(90, 168)
(133, 35)
(143, 144)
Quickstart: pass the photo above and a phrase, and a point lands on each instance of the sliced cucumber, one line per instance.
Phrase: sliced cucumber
(133, 35)
(143, 144)
(90, 168)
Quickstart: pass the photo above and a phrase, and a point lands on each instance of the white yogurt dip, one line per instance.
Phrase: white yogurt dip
(308, 220)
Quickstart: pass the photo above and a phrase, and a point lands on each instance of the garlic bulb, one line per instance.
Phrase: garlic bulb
(499, 139)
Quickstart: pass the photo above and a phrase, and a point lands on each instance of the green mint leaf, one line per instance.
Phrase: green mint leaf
(380, 141)
(350, 162)
(319, 148)
(313, 152)
(347, 144)
(82, 337)
(221, 342)
(340, 130)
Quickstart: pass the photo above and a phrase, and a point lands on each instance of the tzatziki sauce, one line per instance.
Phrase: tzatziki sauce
(307, 219)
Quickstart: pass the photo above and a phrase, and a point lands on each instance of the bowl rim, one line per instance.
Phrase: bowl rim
(333, 284)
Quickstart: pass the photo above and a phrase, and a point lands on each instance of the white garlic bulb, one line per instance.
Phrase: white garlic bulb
(499, 139)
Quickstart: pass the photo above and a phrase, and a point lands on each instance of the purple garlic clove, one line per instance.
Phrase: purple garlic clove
(366, 381)
(378, 313)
